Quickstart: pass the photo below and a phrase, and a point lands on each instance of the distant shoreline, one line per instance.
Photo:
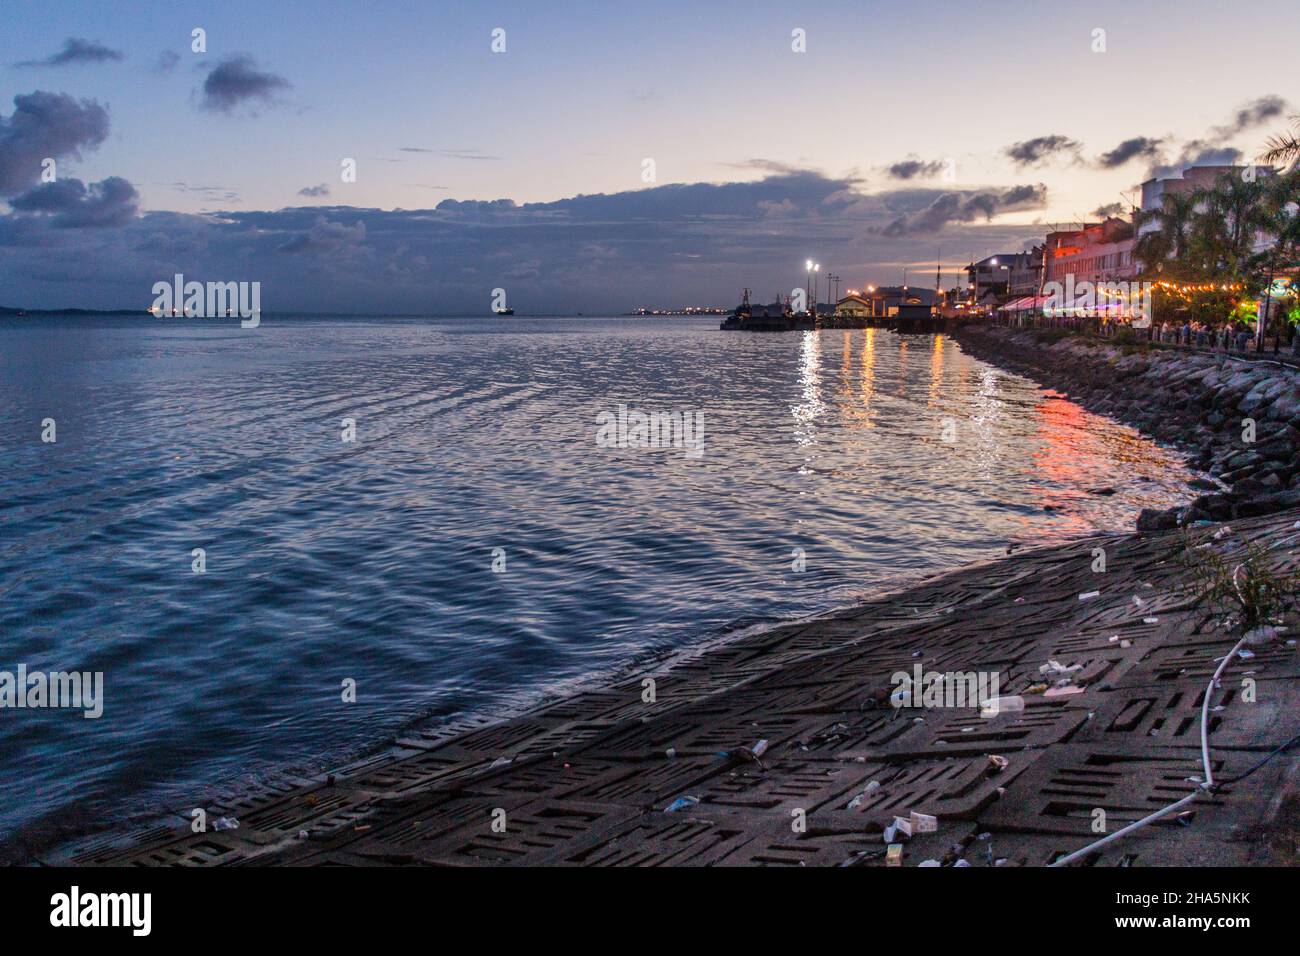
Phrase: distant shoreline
(8, 311)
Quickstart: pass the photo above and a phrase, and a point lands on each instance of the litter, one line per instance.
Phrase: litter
(928, 863)
(962, 863)
(998, 763)
(856, 802)
(1150, 620)
(1064, 691)
(225, 823)
(754, 753)
(670, 752)
(681, 803)
(924, 823)
(903, 825)
(1056, 667)
(1088, 595)
(996, 705)
(894, 855)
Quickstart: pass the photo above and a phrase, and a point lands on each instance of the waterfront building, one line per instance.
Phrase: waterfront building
(854, 306)
(1097, 252)
(1026, 273)
(990, 278)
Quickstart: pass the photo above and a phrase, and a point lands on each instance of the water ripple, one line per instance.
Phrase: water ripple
(870, 457)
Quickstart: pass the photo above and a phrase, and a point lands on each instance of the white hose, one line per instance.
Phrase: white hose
(1206, 785)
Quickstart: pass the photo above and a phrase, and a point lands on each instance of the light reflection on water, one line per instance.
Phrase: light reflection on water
(372, 561)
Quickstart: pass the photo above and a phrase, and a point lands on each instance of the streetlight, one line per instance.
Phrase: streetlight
(807, 290)
(817, 267)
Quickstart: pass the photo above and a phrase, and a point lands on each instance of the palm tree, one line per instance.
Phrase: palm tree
(1230, 216)
(1284, 148)
(1175, 217)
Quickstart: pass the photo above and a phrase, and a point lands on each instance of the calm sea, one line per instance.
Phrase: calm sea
(862, 457)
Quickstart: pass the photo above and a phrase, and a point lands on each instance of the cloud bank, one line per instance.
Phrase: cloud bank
(668, 244)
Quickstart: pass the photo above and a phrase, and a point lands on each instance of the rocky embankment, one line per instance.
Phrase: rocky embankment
(1238, 420)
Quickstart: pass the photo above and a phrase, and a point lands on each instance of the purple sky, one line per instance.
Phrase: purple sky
(903, 133)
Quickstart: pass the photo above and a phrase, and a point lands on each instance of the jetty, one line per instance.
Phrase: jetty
(902, 312)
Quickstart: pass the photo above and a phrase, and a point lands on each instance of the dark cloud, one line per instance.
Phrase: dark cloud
(912, 167)
(1213, 149)
(1143, 146)
(76, 51)
(314, 191)
(699, 242)
(967, 206)
(71, 204)
(1198, 152)
(236, 80)
(1108, 210)
(1040, 149)
(1250, 115)
(46, 125)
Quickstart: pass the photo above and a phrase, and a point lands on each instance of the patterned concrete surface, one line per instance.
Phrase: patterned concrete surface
(586, 780)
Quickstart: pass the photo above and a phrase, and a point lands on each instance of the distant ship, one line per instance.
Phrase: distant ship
(505, 311)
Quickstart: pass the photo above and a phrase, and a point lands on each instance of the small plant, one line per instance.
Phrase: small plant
(1247, 586)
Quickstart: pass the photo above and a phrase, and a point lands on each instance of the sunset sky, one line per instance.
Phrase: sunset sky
(524, 169)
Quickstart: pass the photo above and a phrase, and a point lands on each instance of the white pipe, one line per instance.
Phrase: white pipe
(1206, 785)
(1136, 825)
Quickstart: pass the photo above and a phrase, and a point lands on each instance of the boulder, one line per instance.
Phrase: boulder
(1153, 519)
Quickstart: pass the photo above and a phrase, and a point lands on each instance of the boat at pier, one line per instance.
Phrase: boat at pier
(777, 317)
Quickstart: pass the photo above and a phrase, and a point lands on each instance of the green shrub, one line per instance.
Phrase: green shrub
(1245, 584)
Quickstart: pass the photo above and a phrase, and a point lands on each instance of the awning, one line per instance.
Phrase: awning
(1023, 304)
